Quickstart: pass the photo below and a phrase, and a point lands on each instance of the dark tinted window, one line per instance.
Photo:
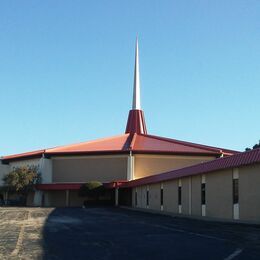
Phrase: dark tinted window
(161, 197)
(147, 197)
(203, 193)
(235, 191)
(179, 195)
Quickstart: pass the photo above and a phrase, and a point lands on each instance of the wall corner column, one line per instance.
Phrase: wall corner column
(130, 166)
(67, 198)
(116, 196)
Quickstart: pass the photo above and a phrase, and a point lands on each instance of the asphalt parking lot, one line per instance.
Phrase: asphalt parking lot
(110, 233)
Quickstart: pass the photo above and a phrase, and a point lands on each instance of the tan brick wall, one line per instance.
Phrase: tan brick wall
(219, 199)
(249, 192)
(92, 168)
(219, 194)
(154, 194)
(185, 198)
(170, 196)
(196, 195)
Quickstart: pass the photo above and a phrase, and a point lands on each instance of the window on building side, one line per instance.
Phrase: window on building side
(235, 191)
(147, 198)
(161, 196)
(203, 193)
(179, 195)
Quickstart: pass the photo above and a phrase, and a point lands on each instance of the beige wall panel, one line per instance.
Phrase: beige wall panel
(196, 195)
(170, 196)
(185, 196)
(154, 194)
(146, 165)
(219, 201)
(249, 192)
(56, 198)
(104, 169)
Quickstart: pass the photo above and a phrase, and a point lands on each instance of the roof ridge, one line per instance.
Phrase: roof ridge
(131, 146)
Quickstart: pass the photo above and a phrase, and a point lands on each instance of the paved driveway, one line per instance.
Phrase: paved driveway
(109, 233)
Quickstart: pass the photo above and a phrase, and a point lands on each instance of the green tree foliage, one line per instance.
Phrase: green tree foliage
(92, 190)
(254, 147)
(22, 179)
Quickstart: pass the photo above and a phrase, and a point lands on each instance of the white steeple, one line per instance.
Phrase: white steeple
(136, 94)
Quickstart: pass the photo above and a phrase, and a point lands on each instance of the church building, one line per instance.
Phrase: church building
(144, 171)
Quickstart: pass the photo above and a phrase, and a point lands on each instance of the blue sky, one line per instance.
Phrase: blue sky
(66, 70)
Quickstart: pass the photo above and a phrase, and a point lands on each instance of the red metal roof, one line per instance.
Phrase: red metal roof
(111, 144)
(59, 186)
(151, 143)
(135, 139)
(236, 160)
(33, 154)
(137, 143)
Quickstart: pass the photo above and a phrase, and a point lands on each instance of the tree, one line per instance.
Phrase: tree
(91, 189)
(22, 179)
(254, 147)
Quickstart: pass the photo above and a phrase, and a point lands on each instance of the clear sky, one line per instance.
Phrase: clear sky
(66, 70)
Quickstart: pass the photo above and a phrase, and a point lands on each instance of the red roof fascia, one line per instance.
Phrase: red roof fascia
(237, 160)
(216, 154)
(23, 156)
(59, 186)
(114, 184)
(85, 153)
(75, 186)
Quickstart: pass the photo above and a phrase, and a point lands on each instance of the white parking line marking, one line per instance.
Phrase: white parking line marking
(234, 254)
(188, 232)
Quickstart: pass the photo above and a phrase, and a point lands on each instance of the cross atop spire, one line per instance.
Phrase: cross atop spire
(136, 94)
(136, 122)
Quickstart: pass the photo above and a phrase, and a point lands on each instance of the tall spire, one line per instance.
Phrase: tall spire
(136, 94)
(136, 123)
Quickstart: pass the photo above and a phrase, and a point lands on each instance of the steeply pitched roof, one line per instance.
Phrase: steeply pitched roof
(237, 160)
(137, 143)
